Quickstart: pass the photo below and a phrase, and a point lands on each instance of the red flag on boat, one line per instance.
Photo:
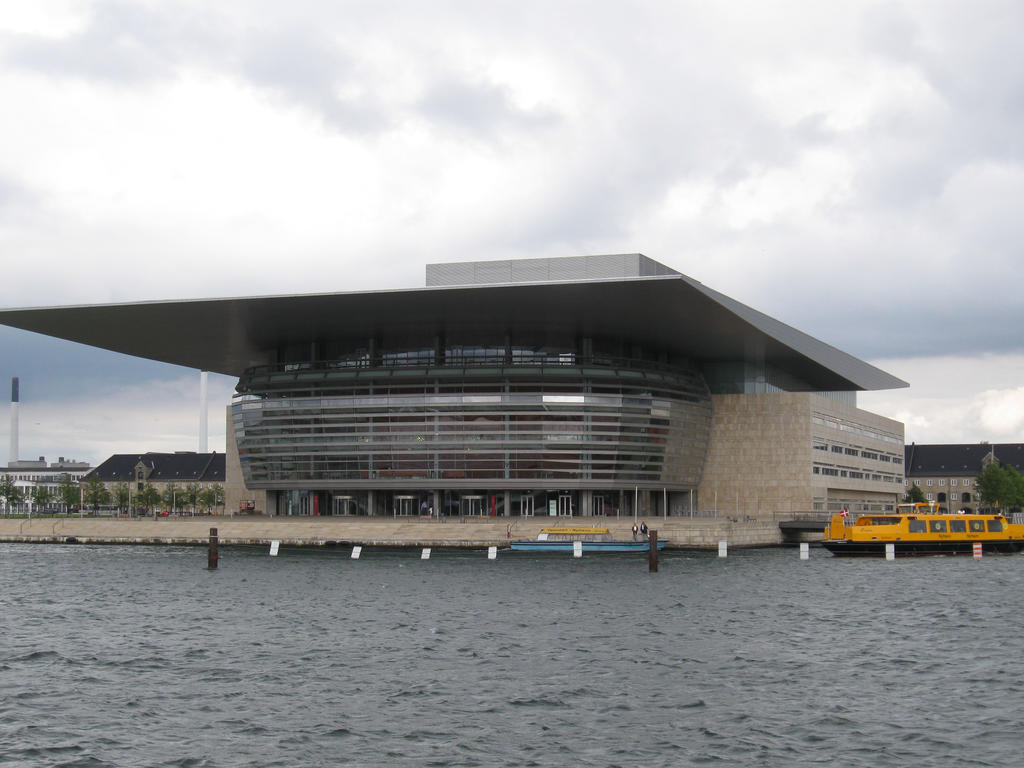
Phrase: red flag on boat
(845, 512)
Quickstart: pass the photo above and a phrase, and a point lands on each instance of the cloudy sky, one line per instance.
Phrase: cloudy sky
(855, 169)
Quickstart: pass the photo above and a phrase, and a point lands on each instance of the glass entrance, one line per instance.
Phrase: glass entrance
(472, 505)
(404, 505)
(564, 505)
(526, 504)
(344, 505)
(597, 502)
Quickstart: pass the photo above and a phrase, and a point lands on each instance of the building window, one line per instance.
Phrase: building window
(966, 483)
(930, 497)
(952, 482)
(929, 482)
(942, 481)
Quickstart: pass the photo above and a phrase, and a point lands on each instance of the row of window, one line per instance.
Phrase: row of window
(965, 497)
(942, 481)
(955, 526)
(853, 474)
(857, 430)
(848, 451)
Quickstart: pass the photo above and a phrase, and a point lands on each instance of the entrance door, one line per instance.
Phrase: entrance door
(404, 505)
(598, 504)
(472, 505)
(564, 505)
(526, 505)
(344, 505)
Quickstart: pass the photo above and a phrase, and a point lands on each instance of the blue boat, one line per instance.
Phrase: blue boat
(564, 538)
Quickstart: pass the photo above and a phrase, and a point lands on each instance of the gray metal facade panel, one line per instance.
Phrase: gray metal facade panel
(529, 271)
(672, 313)
(597, 267)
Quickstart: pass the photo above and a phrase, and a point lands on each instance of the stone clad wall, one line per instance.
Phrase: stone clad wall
(761, 457)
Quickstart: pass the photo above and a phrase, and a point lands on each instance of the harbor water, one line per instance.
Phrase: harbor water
(140, 656)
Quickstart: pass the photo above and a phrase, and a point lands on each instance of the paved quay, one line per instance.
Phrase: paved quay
(680, 532)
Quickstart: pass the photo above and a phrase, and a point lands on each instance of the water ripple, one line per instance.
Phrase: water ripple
(313, 659)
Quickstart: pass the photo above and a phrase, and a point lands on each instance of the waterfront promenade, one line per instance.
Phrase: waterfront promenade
(682, 532)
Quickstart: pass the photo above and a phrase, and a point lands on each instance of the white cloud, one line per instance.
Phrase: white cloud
(161, 416)
(853, 169)
(955, 399)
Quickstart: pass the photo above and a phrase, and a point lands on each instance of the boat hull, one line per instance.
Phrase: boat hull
(921, 548)
(588, 546)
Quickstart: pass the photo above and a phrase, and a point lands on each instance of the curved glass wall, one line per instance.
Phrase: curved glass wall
(487, 420)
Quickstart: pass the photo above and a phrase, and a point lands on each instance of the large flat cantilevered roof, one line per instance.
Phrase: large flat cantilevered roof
(672, 312)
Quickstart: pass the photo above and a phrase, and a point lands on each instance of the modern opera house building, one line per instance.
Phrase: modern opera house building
(574, 386)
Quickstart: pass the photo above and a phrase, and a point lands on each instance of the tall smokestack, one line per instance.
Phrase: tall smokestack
(14, 422)
(202, 412)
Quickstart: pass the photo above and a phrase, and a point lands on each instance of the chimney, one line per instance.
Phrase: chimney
(13, 456)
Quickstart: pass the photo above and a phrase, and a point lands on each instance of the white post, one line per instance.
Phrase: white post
(577, 548)
(425, 554)
(977, 550)
(274, 546)
(492, 553)
(723, 549)
(356, 551)
(805, 551)
(890, 551)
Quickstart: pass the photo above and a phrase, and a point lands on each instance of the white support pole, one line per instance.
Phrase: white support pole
(492, 553)
(356, 551)
(274, 546)
(577, 549)
(805, 551)
(890, 551)
(425, 554)
(723, 548)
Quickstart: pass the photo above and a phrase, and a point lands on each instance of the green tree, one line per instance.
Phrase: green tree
(68, 493)
(1014, 489)
(172, 497)
(42, 496)
(122, 496)
(994, 485)
(211, 497)
(190, 496)
(149, 497)
(914, 495)
(10, 493)
(95, 493)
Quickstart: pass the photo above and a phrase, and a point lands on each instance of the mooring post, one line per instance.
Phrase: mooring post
(211, 559)
(652, 556)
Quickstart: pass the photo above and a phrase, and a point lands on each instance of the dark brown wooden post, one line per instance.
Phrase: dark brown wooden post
(211, 560)
(652, 557)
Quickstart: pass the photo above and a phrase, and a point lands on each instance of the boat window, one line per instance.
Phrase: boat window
(995, 526)
(885, 520)
(918, 526)
(977, 526)
(957, 526)
(938, 526)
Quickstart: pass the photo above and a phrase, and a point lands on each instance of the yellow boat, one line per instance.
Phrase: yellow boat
(919, 529)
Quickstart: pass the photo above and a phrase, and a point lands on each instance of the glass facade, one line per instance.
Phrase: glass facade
(479, 421)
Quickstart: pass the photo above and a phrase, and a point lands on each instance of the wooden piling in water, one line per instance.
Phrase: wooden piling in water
(652, 555)
(212, 554)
